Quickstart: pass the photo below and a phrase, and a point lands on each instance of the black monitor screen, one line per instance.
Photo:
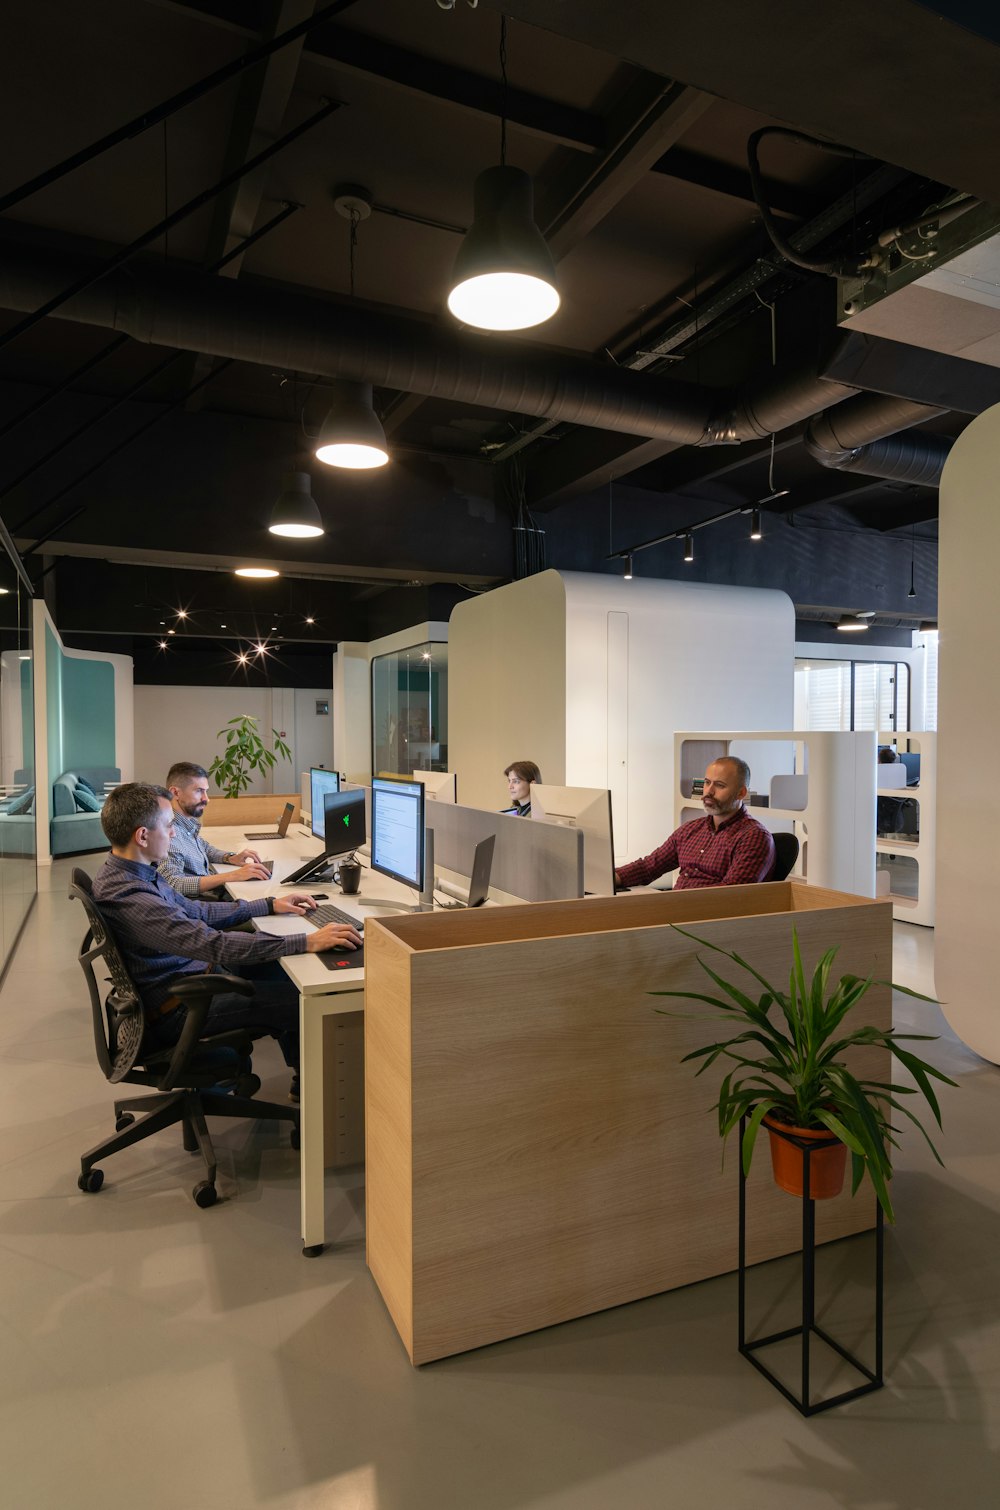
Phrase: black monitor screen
(344, 815)
(398, 830)
(321, 784)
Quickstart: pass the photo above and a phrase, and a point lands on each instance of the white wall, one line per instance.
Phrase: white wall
(507, 687)
(968, 877)
(591, 676)
(183, 723)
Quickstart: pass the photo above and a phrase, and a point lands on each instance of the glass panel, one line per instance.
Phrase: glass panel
(822, 694)
(18, 877)
(865, 695)
(410, 710)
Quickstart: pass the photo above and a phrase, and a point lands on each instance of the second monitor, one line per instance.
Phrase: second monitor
(322, 784)
(588, 809)
(344, 827)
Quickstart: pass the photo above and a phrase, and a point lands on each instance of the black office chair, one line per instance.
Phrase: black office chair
(786, 852)
(195, 1077)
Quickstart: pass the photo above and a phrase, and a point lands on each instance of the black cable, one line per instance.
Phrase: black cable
(88, 424)
(118, 342)
(118, 259)
(169, 107)
(123, 445)
(844, 267)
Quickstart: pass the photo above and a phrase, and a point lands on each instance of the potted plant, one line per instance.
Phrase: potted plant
(788, 1053)
(245, 752)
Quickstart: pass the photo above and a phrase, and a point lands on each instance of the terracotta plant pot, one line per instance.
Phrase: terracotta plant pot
(826, 1164)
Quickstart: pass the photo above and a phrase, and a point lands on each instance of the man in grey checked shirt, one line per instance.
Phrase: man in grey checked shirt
(188, 866)
(163, 934)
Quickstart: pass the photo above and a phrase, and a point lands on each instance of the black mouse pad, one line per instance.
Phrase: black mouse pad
(348, 959)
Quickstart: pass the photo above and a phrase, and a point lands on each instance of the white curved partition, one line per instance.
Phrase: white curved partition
(968, 873)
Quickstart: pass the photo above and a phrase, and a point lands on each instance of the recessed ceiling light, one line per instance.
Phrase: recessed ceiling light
(163, 644)
(256, 571)
(4, 591)
(182, 613)
(171, 631)
(310, 621)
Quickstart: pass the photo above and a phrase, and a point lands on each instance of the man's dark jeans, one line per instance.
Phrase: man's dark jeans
(272, 1009)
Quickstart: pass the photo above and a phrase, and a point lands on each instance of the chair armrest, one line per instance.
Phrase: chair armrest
(195, 989)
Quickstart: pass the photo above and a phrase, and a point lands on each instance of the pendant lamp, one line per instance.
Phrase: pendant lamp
(352, 435)
(295, 514)
(504, 276)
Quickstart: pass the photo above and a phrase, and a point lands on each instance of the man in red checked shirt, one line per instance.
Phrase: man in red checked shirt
(725, 848)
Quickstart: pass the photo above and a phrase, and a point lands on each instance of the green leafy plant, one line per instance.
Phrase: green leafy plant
(788, 1055)
(245, 752)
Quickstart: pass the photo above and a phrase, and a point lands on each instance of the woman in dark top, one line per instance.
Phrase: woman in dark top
(520, 774)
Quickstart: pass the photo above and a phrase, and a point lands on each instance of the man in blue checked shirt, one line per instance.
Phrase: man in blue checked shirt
(162, 933)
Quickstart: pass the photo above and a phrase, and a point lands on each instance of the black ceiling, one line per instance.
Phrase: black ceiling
(138, 484)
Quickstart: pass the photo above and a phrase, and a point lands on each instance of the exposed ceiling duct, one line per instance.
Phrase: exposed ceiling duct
(863, 436)
(272, 327)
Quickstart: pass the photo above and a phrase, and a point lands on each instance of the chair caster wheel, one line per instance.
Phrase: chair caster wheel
(295, 1139)
(125, 1120)
(205, 1194)
(312, 1250)
(92, 1181)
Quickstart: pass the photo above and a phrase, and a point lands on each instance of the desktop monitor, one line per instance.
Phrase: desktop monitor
(322, 784)
(344, 826)
(397, 847)
(439, 786)
(588, 809)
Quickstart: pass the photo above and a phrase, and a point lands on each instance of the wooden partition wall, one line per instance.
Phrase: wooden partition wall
(535, 1149)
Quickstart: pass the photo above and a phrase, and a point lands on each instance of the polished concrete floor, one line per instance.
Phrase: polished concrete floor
(155, 1355)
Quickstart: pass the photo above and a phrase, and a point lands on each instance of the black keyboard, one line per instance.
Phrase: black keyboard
(324, 915)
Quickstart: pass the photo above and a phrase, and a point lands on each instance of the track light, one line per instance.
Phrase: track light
(628, 568)
(295, 514)
(256, 571)
(504, 277)
(755, 530)
(352, 435)
(688, 547)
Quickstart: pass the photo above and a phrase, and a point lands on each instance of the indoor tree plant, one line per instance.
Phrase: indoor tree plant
(790, 1070)
(245, 752)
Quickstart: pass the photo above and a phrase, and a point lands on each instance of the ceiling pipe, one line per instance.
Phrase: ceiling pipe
(275, 327)
(864, 436)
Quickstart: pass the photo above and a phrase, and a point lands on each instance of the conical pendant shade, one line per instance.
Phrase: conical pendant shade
(504, 277)
(352, 435)
(295, 514)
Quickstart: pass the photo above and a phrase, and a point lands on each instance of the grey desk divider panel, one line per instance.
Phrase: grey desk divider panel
(541, 862)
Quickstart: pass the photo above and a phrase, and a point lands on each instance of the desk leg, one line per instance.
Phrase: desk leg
(313, 1119)
(320, 1088)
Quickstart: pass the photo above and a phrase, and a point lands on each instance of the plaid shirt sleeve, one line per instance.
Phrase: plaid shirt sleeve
(173, 872)
(650, 867)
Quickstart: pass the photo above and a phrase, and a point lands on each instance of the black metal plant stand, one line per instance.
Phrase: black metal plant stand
(808, 1328)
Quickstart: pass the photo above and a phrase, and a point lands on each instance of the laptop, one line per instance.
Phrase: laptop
(281, 830)
(482, 866)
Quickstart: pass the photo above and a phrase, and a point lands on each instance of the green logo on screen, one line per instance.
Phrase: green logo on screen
(347, 820)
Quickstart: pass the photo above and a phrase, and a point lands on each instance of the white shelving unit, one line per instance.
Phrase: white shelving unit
(833, 814)
(921, 848)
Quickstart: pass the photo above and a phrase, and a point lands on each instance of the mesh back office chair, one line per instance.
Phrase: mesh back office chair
(786, 852)
(194, 1077)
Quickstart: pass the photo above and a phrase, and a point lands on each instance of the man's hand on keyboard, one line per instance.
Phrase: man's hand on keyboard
(333, 936)
(296, 901)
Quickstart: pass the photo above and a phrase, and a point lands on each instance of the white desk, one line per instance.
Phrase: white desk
(323, 995)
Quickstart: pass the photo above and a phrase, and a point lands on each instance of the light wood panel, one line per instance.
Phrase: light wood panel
(249, 812)
(536, 1150)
